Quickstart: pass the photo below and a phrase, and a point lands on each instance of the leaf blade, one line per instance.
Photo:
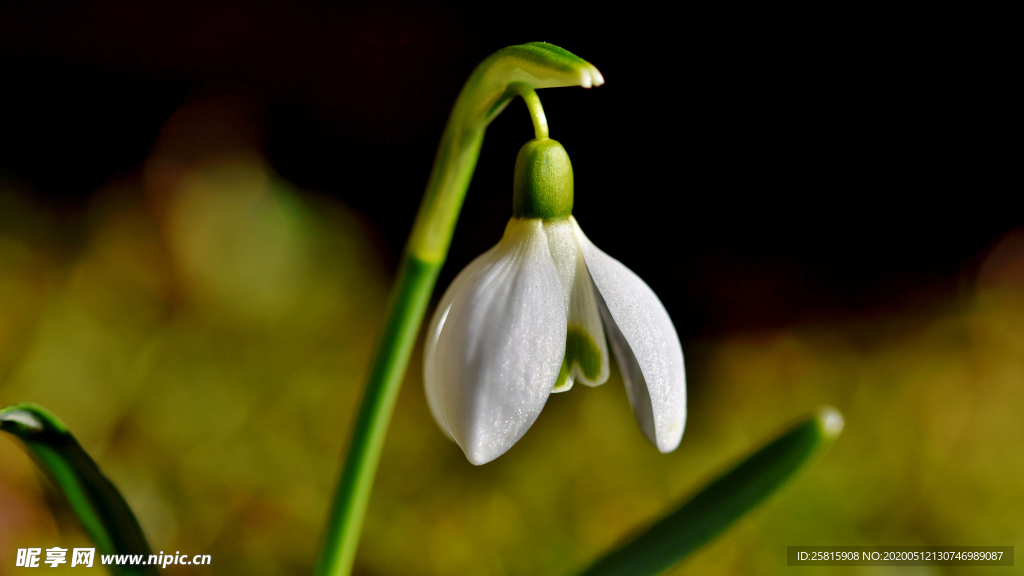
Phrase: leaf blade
(96, 502)
(723, 501)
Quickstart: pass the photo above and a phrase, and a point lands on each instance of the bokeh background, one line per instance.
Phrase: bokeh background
(202, 206)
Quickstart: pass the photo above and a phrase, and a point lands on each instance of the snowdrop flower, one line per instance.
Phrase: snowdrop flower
(536, 314)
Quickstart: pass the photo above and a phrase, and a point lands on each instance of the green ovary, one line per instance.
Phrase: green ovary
(581, 350)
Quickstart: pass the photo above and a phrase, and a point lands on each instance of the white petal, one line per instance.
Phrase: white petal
(586, 346)
(645, 344)
(501, 346)
(434, 329)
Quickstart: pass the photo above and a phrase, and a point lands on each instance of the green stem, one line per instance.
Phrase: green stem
(529, 95)
(485, 95)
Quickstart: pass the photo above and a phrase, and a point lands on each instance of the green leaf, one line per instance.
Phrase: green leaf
(101, 509)
(722, 502)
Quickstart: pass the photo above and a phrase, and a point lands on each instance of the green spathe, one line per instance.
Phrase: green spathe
(543, 181)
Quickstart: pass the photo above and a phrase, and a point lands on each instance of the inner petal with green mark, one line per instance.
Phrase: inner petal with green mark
(586, 349)
(583, 359)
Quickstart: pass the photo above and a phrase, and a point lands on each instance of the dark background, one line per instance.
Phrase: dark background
(813, 194)
(762, 168)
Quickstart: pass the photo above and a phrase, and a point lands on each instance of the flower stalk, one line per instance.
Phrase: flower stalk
(529, 96)
(516, 70)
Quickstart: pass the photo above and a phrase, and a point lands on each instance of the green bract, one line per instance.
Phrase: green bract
(490, 88)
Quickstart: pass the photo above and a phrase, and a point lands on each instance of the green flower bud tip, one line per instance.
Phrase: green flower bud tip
(542, 187)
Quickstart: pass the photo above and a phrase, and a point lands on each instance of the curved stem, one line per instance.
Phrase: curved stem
(540, 121)
(485, 95)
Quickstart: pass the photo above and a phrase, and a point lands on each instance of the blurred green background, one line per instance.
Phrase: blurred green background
(194, 285)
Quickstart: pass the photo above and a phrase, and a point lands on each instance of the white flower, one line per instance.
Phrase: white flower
(530, 317)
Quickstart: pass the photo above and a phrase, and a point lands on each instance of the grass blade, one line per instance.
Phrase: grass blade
(96, 502)
(722, 502)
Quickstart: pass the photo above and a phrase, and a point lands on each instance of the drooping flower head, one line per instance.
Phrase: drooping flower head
(536, 313)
